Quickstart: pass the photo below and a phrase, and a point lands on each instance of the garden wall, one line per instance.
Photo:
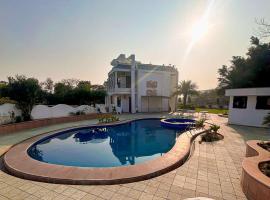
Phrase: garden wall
(44, 111)
(9, 128)
(60, 110)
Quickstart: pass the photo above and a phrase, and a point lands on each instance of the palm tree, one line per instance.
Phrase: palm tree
(186, 88)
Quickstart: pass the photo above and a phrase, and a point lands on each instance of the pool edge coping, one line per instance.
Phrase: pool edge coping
(19, 163)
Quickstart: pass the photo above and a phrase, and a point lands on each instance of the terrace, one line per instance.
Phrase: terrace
(213, 169)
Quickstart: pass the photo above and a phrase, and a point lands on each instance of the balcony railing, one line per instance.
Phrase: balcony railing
(119, 90)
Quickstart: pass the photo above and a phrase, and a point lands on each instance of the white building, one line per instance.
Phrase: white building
(248, 106)
(136, 87)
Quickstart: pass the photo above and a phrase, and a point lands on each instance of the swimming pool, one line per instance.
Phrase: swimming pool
(106, 146)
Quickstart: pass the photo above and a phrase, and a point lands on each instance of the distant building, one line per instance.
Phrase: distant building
(3, 82)
(248, 106)
(136, 87)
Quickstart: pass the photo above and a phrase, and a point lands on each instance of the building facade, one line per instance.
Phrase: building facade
(136, 87)
(248, 106)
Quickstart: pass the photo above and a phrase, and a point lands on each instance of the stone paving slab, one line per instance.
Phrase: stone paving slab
(212, 171)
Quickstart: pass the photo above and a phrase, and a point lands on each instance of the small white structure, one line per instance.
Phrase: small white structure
(248, 106)
(136, 87)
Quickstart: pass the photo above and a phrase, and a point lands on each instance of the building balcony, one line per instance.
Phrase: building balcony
(119, 91)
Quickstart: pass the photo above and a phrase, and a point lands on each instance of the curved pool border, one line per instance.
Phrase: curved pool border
(20, 164)
(179, 123)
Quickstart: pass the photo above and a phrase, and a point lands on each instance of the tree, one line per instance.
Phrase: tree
(72, 82)
(84, 85)
(209, 98)
(48, 85)
(252, 71)
(263, 28)
(62, 91)
(25, 91)
(98, 87)
(3, 88)
(186, 88)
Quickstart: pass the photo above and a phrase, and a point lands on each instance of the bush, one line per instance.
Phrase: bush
(77, 113)
(189, 106)
(265, 168)
(4, 100)
(266, 120)
(265, 145)
(225, 112)
(200, 123)
(18, 119)
(108, 119)
(214, 128)
(212, 135)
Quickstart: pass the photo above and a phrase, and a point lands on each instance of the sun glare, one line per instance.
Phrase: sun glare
(200, 28)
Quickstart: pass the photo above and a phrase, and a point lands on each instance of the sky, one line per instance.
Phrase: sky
(78, 39)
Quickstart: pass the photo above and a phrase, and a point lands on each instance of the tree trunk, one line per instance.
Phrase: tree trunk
(184, 100)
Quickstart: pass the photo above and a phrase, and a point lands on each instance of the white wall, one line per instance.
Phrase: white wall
(249, 116)
(162, 78)
(165, 104)
(43, 111)
(5, 112)
(165, 84)
(60, 110)
(125, 103)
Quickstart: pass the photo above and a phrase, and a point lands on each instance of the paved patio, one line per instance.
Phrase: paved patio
(213, 170)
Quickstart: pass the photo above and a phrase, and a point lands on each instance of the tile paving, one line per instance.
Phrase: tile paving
(213, 170)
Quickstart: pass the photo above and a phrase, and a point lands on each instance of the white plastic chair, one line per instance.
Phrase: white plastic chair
(118, 110)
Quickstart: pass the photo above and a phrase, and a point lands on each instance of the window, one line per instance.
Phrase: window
(240, 102)
(128, 81)
(263, 102)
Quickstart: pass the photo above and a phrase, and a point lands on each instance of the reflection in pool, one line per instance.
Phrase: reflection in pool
(108, 146)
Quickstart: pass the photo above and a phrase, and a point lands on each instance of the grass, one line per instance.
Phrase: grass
(212, 110)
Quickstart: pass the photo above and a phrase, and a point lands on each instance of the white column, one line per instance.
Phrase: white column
(133, 84)
(115, 80)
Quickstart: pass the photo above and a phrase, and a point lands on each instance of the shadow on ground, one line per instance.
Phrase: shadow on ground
(251, 133)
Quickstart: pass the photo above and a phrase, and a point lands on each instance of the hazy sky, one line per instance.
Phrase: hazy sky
(78, 38)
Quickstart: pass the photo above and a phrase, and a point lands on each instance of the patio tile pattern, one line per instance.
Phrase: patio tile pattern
(213, 170)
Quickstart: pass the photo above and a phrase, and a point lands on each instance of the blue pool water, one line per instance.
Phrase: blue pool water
(106, 146)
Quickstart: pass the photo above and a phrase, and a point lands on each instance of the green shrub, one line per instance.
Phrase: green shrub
(189, 106)
(4, 100)
(18, 119)
(212, 134)
(266, 120)
(77, 113)
(214, 128)
(108, 119)
(210, 137)
(200, 123)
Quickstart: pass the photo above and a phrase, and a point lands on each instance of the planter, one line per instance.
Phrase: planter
(255, 184)
(208, 138)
